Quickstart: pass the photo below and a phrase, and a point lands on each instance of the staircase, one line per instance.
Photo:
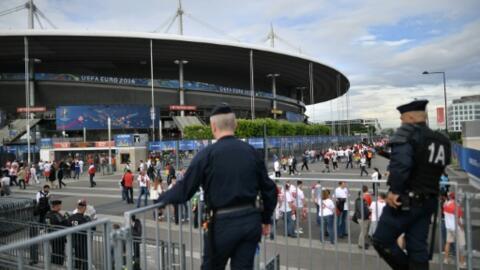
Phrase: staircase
(15, 130)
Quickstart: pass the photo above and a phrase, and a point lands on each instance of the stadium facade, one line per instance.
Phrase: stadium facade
(77, 79)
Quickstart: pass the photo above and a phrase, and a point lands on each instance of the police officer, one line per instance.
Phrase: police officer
(418, 158)
(232, 174)
(79, 240)
(54, 219)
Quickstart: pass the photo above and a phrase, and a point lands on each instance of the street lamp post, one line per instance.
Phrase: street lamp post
(180, 64)
(274, 92)
(444, 94)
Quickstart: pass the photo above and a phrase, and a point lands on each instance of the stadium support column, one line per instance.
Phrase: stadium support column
(31, 10)
(274, 93)
(310, 79)
(180, 64)
(152, 109)
(27, 96)
(252, 86)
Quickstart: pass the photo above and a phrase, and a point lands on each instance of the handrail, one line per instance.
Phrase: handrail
(53, 235)
(128, 214)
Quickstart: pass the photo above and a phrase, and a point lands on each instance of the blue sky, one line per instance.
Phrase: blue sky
(381, 46)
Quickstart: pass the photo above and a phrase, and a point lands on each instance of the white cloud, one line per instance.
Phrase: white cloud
(398, 42)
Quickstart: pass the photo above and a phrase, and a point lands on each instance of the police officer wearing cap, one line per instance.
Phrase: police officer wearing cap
(418, 158)
(79, 240)
(231, 174)
(54, 220)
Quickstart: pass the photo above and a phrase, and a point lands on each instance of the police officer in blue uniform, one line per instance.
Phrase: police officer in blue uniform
(418, 158)
(232, 175)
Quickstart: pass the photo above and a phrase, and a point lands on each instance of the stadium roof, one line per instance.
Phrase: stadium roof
(127, 54)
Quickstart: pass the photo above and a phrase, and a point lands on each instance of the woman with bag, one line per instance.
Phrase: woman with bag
(155, 191)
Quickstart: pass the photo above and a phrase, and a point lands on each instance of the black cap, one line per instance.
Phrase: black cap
(416, 105)
(56, 202)
(82, 202)
(222, 108)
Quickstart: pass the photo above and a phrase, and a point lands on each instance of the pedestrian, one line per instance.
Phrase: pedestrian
(155, 191)
(363, 166)
(91, 172)
(304, 161)
(33, 174)
(369, 158)
(21, 175)
(418, 158)
(143, 184)
(349, 158)
(341, 201)
(77, 170)
(362, 217)
(290, 165)
(326, 161)
(376, 175)
(128, 186)
(60, 176)
(300, 206)
(376, 210)
(294, 165)
(276, 168)
(55, 220)
(287, 208)
(335, 161)
(455, 232)
(137, 239)
(327, 210)
(43, 206)
(52, 176)
(284, 162)
(444, 186)
(79, 239)
(13, 173)
(5, 183)
(234, 228)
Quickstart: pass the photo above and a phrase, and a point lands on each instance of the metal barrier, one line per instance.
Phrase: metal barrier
(150, 244)
(82, 248)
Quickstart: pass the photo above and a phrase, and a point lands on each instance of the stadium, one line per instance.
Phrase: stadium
(79, 78)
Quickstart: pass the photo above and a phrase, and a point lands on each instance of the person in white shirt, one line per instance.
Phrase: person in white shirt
(33, 175)
(363, 166)
(143, 184)
(5, 184)
(376, 209)
(327, 210)
(376, 175)
(300, 204)
(341, 197)
(287, 205)
(276, 168)
(80, 163)
(455, 232)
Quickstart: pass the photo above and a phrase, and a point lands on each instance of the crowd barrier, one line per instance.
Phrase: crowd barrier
(469, 160)
(166, 245)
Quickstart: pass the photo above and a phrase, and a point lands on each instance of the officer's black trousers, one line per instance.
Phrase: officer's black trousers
(236, 236)
(415, 224)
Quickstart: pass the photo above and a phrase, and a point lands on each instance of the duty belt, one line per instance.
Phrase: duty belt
(232, 209)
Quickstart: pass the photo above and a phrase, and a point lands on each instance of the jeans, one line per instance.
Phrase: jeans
(363, 169)
(328, 224)
(342, 223)
(129, 194)
(143, 192)
(290, 224)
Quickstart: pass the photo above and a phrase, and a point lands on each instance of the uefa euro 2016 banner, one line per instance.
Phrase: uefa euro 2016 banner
(95, 117)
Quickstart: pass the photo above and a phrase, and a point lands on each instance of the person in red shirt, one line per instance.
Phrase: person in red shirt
(91, 171)
(366, 195)
(128, 185)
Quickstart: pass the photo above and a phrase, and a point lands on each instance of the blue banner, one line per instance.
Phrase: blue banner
(123, 140)
(188, 145)
(46, 143)
(469, 160)
(95, 117)
(257, 143)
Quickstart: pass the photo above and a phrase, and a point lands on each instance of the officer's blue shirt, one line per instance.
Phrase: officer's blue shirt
(401, 159)
(232, 173)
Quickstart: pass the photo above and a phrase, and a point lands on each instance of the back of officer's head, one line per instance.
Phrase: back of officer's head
(222, 121)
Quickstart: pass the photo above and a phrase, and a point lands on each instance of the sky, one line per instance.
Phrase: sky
(381, 46)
